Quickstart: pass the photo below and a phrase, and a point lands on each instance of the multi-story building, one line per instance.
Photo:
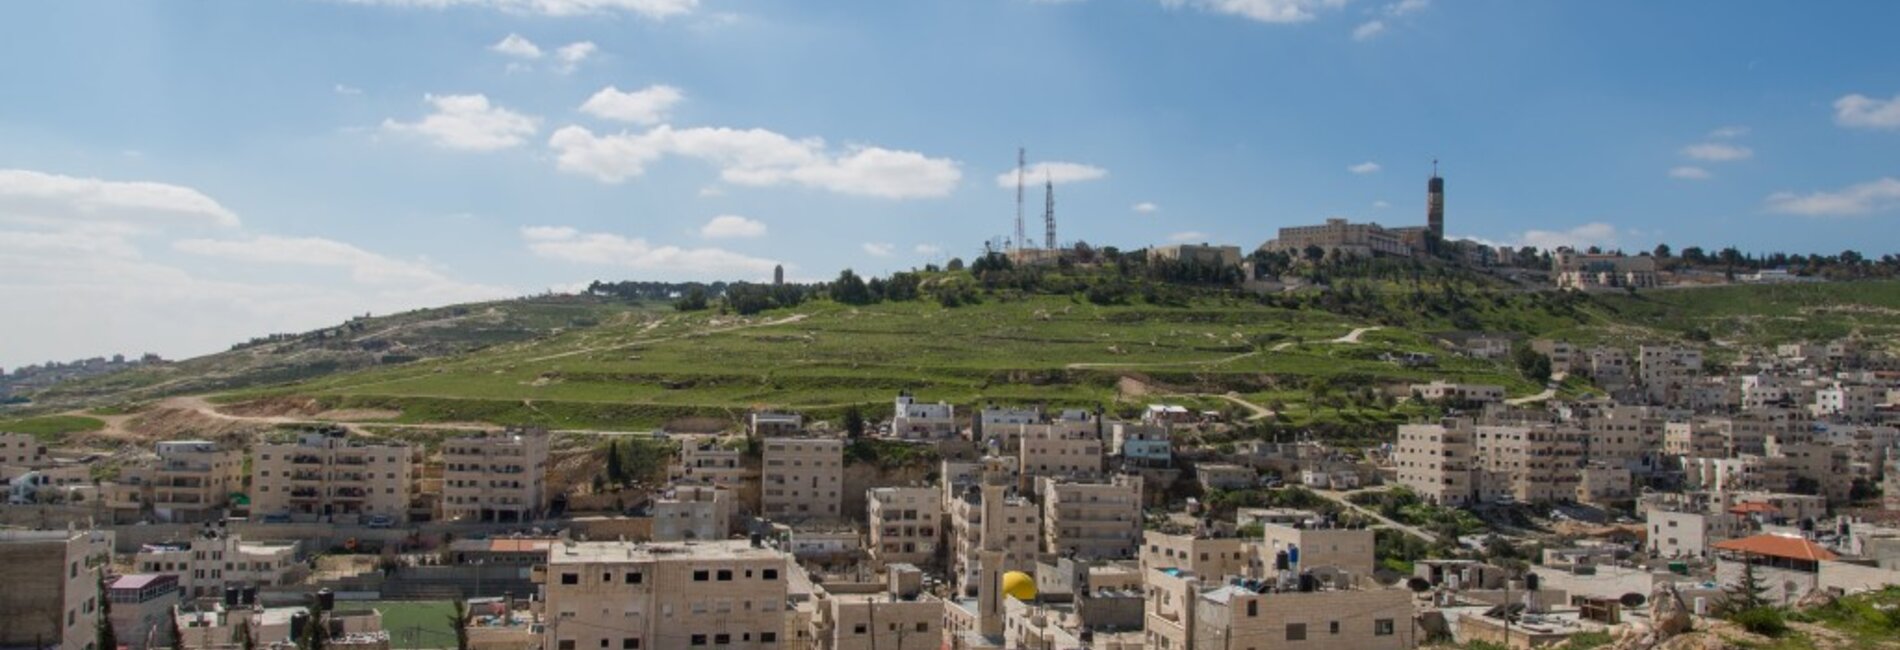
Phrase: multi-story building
(906, 524)
(693, 512)
(1142, 446)
(1457, 462)
(1091, 520)
(1236, 616)
(1437, 461)
(992, 516)
(207, 564)
(901, 617)
(495, 477)
(1441, 390)
(51, 599)
(620, 595)
(912, 420)
(1339, 237)
(1689, 533)
(706, 462)
(1667, 372)
(142, 609)
(20, 449)
(1208, 556)
(1201, 254)
(1347, 549)
(1060, 452)
(190, 481)
(1848, 401)
(1580, 271)
(764, 424)
(803, 479)
(330, 476)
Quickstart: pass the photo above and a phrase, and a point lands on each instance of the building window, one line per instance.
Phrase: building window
(635, 578)
(570, 578)
(770, 574)
(1382, 627)
(567, 644)
(768, 637)
(923, 627)
(1332, 628)
(699, 639)
(702, 575)
(858, 629)
(722, 639)
(1296, 631)
(725, 575)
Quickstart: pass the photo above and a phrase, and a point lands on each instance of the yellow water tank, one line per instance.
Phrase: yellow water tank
(1019, 585)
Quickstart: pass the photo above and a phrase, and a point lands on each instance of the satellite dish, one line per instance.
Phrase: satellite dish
(1633, 599)
(1419, 584)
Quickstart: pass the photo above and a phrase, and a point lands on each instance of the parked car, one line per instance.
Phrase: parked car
(379, 521)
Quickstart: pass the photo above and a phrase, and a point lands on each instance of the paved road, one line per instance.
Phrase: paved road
(1341, 498)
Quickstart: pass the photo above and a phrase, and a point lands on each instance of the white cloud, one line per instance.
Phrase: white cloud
(1863, 112)
(1054, 171)
(928, 250)
(656, 9)
(1266, 11)
(1188, 236)
(39, 196)
(1145, 207)
(1368, 30)
(1403, 7)
(342, 89)
(1367, 167)
(663, 262)
(73, 252)
(468, 123)
(1690, 172)
(516, 46)
(572, 54)
(1717, 152)
(364, 267)
(1873, 196)
(759, 158)
(1590, 234)
(879, 249)
(732, 226)
(1380, 205)
(1729, 132)
(646, 106)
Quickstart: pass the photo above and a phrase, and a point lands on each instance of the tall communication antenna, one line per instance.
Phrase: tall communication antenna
(1048, 212)
(1020, 237)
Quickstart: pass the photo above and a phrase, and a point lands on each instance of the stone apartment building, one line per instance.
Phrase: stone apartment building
(52, 593)
(1667, 372)
(695, 512)
(803, 479)
(906, 524)
(629, 596)
(705, 462)
(1235, 616)
(1440, 390)
(994, 516)
(1211, 556)
(1340, 237)
(1347, 549)
(207, 564)
(329, 476)
(142, 609)
(495, 477)
(1091, 520)
(899, 617)
(190, 481)
(1457, 462)
(1057, 451)
(20, 449)
(1582, 271)
(913, 421)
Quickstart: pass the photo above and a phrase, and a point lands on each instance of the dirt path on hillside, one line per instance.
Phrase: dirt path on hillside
(1353, 336)
(1158, 364)
(716, 330)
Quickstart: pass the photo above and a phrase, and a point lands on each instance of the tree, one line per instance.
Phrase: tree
(459, 620)
(316, 633)
(694, 300)
(854, 422)
(616, 472)
(955, 264)
(1661, 252)
(1747, 593)
(107, 638)
(851, 289)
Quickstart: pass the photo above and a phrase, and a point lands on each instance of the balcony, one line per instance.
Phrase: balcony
(303, 493)
(350, 493)
(306, 460)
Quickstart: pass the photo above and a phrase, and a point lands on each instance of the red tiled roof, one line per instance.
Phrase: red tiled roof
(1752, 507)
(1793, 548)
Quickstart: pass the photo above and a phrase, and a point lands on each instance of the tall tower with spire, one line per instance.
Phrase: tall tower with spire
(1435, 203)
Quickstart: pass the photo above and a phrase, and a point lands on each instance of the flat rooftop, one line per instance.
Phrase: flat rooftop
(586, 552)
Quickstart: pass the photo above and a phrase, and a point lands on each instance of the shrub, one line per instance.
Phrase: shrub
(1766, 621)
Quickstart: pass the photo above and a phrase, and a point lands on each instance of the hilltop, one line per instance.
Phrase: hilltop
(1329, 359)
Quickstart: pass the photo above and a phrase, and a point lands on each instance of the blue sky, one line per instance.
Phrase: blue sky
(175, 177)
